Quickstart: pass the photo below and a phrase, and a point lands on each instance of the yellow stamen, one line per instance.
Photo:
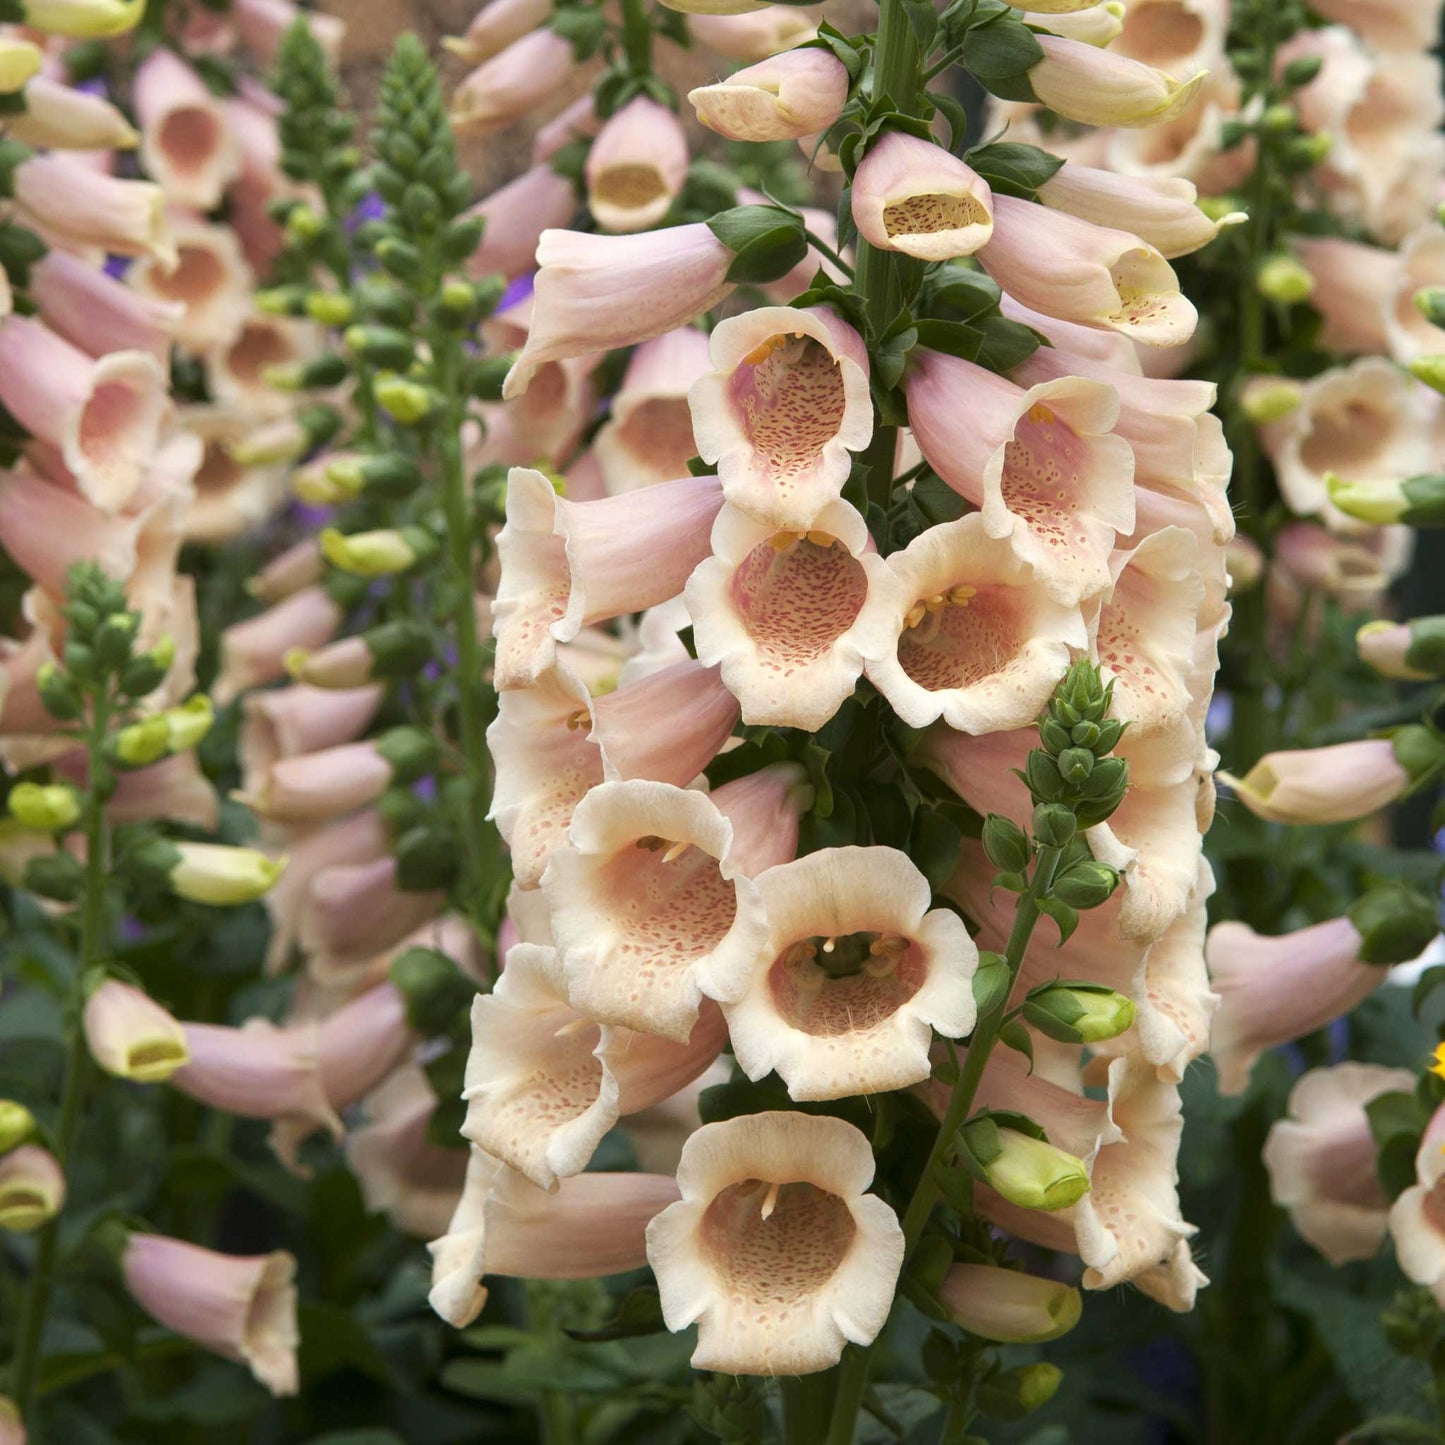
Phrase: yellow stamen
(822, 539)
(1039, 413)
(579, 719)
(961, 596)
(761, 353)
(675, 852)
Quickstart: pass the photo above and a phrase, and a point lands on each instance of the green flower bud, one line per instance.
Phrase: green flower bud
(398, 649)
(60, 696)
(399, 259)
(1086, 884)
(1430, 370)
(438, 994)
(1416, 501)
(383, 346)
(48, 808)
(382, 553)
(1395, 923)
(411, 752)
(382, 302)
(389, 475)
(303, 225)
(114, 639)
(1041, 773)
(1016, 1394)
(1075, 765)
(426, 858)
(1430, 303)
(1029, 1172)
(1054, 825)
(1078, 1013)
(57, 876)
(1310, 150)
(1006, 844)
(1265, 399)
(142, 743)
(282, 301)
(461, 238)
(486, 375)
(222, 876)
(188, 724)
(404, 401)
(17, 1124)
(488, 293)
(1054, 735)
(1302, 70)
(330, 308)
(1284, 280)
(77, 19)
(143, 674)
(1278, 118)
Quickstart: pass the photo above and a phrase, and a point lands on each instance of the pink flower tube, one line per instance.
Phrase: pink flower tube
(80, 207)
(186, 144)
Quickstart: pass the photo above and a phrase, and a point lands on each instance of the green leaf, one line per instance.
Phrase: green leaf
(639, 1313)
(1018, 1038)
(991, 982)
(953, 338)
(1432, 979)
(1006, 343)
(1013, 168)
(766, 242)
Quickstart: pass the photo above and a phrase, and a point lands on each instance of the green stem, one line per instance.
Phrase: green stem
(853, 1381)
(637, 37)
(92, 940)
(806, 1401)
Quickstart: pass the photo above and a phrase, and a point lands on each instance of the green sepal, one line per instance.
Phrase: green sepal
(766, 241)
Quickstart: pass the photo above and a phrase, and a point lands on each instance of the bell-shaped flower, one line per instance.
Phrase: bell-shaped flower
(636, 166)
(1179, 36)
(775, 1251)
(1420, 263)
(64, 117)
(791, 616)
(1009, 1306)
(1387, 25)
(47, 528)
(208, 277)
(495, 26)
(516, 214)
(240, 370)
(785, 97)
(1321, 1159)
(230, 498)
(1274, 989)
(1354, 286)
(648, 436)
(1161, 210)
(254, 652)
(544, 1082)
(289, 722)
(131, 1036)
(1335, 784)
(851, 978)
(786, 403)
(591, 1225)
(97, 313)
(1415, 1218)
(351, 911)
(596, 293)
(1362, 423)
(186, 144)
(1096, 87)
(552, 742)
(1356, 571)
(912, 196)
(103, 417)
(649, 908)
(1093, 275)
(32, 1188)
(566, 565)
(1040, 463)
(402, 1173)
(509, 83)
(762, 31)
(80, 208)
(242, 1308)
(973, 638)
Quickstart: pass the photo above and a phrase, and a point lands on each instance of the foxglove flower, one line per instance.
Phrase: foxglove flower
(186, 144)
(1335, 784)
(912, 196)
(636, 166)
(75, 206)
(1095, 87)
(131, 1036)
(785, 97)
(509, 83)
(762, 31)
(1414, 1219)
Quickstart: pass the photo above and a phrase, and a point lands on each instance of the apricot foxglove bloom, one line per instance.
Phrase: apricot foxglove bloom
(207, 277)
(544, 1082)
(78, 207)
(1041, 464)
(566, 565)
(756, 34)
(131, 1036)
(636, 166)
(1414, 1219)
(510, 82)
(786, 403)
(912, 196)
(186, 144)
(99, 314)
(552, 742)
(785, 97)
(1321, 1159)
(32, 1188)
(649, 908)
(240, 1307)
(1335, 784)
(973, 639)
(596, 293)
(791, 616)
(496, 25)
(1095, 87)
(1009, 1306)
(774, 1250)
(852, 977)
(516, 214)
(589, 1226)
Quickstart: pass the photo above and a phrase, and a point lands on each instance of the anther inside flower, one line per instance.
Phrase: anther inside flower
(836, 984)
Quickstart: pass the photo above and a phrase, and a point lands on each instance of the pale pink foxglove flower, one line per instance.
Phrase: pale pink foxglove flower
(775, 1250)
(402, 1174)
(230, 498)
(242, 1308)
(578, 121)
(912, 196)
(1096, 87)
(174, 788)
(251, 119)
(1361, 422)
(1093, 275)
(596, 293)
(131, 1036)
(1041, 464)
(566, 565)
(852, 977)
(352, 911)
(657, 1135)
(237, 369)
(1321, 1159)
(591, 1225)
(496, 25)
(1094, 25)
(1355, 570)
(785, 97)
(1335, 784)
(1178, 36)
(761, 32)
(32, 1188)
(636, 166)
(98, 314)
(289, 722)
(254, 652)
(1274, 989)
(74, 206)
(1415, 1217)
(1420, 263)
(1009, 1306)
(651, 910)
(510, 83)
(186, 145)
(553, 741)
(1354, 289)
(1103, 348)
(261, 25)
(516, 214)
(648, 436)
(974, 639)
(208, 276)
(1387, 25)
(544, 1082)
(1385, 646)
(789, 616)
(316, 787)
(47, 528)
(786, 403)
(1162, 211)
(298, 566)
(104, 417)
(60, 117)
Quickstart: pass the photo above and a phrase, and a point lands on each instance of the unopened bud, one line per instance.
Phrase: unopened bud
(1416, 501)
(1029, 1172)
(60, 696)
(304, 225)
(1430, 303)
(214, 873)
(406, 402)
(1302, 70)
(1054, 825)
(389, 475)
(188, 724)
(1009, 1306)
(330, 308)
(1411, 651)
(1086, 884)
(1015, 1394)
(1006, 844)
(131, 1036)
(143, 674)
(381, 553)
(17, 1124)
(437, 993)
(46, 807)
(79, 19)
(1278, 118)
(1264, 399)
(32, 1188)
(1284, 280)
(1075, 764)
(1078, 1013)
(384, 346)
(139, 744)
(1430, 370)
